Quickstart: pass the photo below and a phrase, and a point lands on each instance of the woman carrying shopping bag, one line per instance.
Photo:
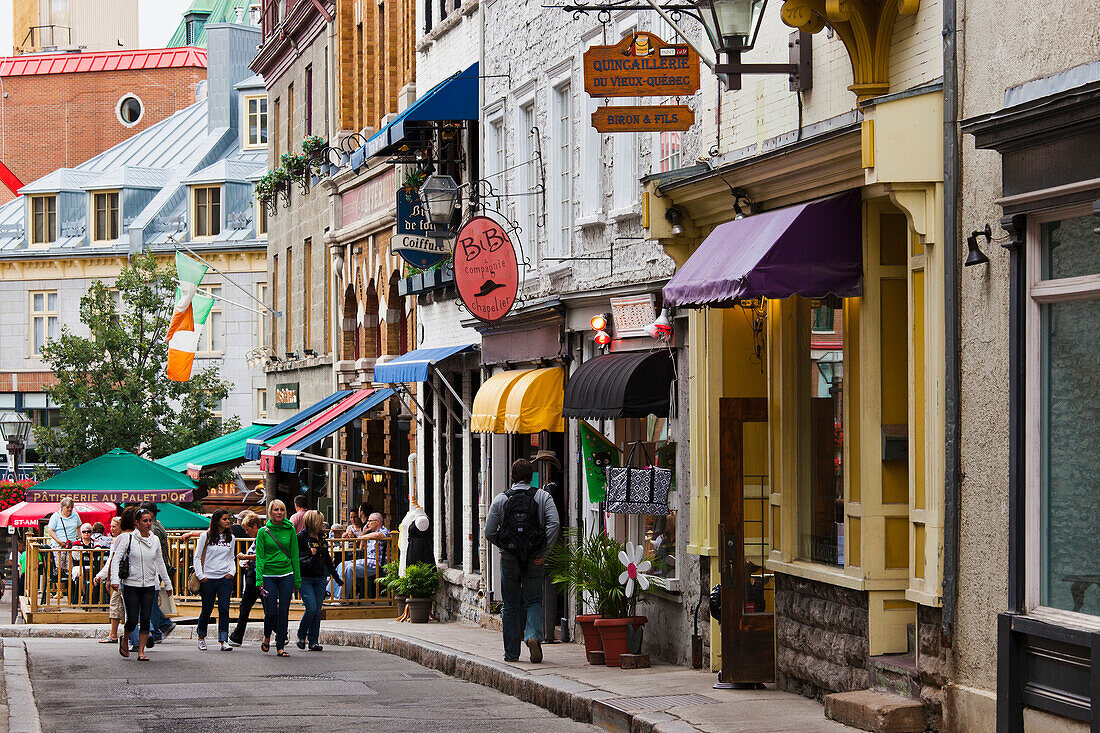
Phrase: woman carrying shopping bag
(316, 565)
(116, 612)
(138, 568)
(215, 568)
(277, 573)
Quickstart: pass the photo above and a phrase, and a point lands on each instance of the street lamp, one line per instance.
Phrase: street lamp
(14, 428)
(733, 26)
(440, 197)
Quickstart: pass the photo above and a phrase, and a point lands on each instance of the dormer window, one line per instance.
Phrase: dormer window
(43, 219)
(206, 214)
(105, 216)
(255, 123)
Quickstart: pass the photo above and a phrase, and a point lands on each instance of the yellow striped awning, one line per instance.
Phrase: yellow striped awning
(535, 402)
(489, 402)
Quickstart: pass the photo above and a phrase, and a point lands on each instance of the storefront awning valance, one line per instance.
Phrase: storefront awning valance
(491, 400)
(350, 400)
(535, 402)
(812, 249)
(452, 100)
(254, 445)
(622, 384)
(225, 451)
(117, 477)
(288, 457)
(415, 366)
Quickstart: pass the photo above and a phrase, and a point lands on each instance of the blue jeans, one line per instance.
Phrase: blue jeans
(313, 593)
(215, 590)
(277, 607)
(521, 591)
(158, 622)
(349, 570)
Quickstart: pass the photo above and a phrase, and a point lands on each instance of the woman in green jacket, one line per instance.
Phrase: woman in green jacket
(277, 573)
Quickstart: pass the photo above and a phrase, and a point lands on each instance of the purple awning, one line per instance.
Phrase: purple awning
(812, 249)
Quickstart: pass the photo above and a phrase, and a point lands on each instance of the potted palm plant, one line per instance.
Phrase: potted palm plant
(419, 584)
(391, 580)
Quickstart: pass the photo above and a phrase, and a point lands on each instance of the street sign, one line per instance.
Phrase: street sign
(486, 269)
(412, 238)
(651, 118)
(641, 65)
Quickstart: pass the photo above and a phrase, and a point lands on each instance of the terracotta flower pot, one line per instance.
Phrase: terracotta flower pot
(593, 644)
(613, 633)
(418, 609)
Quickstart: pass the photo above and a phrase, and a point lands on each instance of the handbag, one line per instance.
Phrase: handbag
(638, 490)
(124, 561)
(166, 603)
(193, 582)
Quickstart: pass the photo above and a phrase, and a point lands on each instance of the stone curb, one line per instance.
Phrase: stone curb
(562, 696)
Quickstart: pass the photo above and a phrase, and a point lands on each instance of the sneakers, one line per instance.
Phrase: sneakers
(301, 643)
(316, 648)
(202, 645)
(167, 632)
(233, 641)
(536, 650)
(226, 647)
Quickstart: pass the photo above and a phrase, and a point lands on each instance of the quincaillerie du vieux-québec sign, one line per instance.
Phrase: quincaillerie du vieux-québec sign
(641, 65)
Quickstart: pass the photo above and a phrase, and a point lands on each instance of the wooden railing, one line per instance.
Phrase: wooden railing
(60, 580)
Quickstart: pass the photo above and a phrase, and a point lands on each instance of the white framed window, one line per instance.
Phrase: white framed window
(494, 153)
(667, 149)
(43, 318)
(591, 199)
(206, 211)
(261, 330)
(255, 122)
(525, 169)
(129, 110)
(1063, 415)
(261, 403)
(560, 233)
(105, 216)
(43, 211)
(624, 163)
(212, 338)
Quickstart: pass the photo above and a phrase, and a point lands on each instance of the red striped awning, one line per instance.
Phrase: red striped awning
(268, 457)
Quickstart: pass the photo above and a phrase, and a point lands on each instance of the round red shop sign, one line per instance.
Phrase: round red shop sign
(486, 269)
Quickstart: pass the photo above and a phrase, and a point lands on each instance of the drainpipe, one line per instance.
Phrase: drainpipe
(952, 171)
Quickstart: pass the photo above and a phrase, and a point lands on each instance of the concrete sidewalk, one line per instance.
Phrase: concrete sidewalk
(661, 699)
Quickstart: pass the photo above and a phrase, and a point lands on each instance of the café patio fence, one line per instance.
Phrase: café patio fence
(59, 586)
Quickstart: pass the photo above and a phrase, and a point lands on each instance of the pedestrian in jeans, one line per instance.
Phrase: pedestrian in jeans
(160, 626)
(249, 524)
(216, 567)
(277, 573)
(141, 548)
(513, 523)
(315, 564)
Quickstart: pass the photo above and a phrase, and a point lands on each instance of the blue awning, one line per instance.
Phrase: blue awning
(256, 444)
(452, 100)
(288, 457)
(413, 366)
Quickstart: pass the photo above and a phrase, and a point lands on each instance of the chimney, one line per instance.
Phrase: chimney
(229, 49)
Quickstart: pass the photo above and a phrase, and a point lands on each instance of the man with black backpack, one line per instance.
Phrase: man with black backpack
(523, 523)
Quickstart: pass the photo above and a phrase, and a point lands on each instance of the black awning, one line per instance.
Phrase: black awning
(622, 384)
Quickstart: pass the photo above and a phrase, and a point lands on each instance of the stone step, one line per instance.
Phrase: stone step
(880, 712)
(895, 673)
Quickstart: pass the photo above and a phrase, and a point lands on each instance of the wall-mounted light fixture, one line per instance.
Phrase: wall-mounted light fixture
(733, 26)
(599, 324)
(675, 217)
(440, 197)
(974, 254)
(661, 328)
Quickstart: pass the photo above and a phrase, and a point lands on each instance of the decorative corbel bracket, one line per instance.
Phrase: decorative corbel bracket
(866, 27)
(919, 206)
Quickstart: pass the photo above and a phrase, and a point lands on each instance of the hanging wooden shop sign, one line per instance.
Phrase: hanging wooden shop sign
(652, 118)
(641, 65)
(486, 269)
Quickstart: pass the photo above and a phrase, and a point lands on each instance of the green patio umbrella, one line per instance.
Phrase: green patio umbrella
(117, 476)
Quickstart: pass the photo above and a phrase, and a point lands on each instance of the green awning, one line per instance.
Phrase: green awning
(117, 476)
(176, 517)
(213, 455)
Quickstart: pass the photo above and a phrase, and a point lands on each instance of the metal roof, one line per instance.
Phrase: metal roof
(236, 169)
(129, 177)
(122, 60)
(62, 179)
(216, 11)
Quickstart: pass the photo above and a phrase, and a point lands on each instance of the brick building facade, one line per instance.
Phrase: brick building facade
(61, 110)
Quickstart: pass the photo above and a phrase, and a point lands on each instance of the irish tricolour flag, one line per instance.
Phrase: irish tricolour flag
(188, 316)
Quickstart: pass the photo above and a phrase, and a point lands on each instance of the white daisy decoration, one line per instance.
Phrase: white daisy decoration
(635, 566)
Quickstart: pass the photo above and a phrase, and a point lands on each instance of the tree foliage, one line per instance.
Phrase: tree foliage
(111, 388)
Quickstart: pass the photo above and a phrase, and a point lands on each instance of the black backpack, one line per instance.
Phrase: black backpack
(521, 530)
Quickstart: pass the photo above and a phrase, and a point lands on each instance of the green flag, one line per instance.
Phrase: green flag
(599, 453)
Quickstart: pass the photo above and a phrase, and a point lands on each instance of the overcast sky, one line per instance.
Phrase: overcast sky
(158, 18)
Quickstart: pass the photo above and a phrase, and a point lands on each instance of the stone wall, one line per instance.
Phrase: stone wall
(820, 637)
(931, 663)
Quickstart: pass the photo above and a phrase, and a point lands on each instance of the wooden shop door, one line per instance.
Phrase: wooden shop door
(748, 588)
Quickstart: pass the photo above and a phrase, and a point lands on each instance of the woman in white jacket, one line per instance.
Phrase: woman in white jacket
(215, 567)
(139, 588)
